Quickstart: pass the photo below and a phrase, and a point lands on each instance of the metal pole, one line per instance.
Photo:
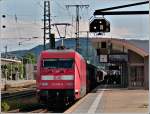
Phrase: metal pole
(77, 23)
(44, 25)
(122, 6)
(122, 13)
(11, 70)
(65, 31)
(47, 24)
(22, 68)
(87, 42)
(6, 51)
(62, 43)
(49, 15)
(58, 31)
(87, 45)
(77, 28)
(5, 88)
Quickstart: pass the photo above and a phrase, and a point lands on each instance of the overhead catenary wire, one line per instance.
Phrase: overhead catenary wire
(63, 8)
(68, 14)
(56, 17)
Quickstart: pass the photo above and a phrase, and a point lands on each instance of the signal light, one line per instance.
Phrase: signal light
(99, 25)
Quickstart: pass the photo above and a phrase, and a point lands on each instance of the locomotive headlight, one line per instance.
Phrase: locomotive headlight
(47, 77)
(60, 77)
(76, 91)
(37, 90)
(44, 84)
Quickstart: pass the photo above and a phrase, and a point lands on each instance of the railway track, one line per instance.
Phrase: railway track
(39, 111)
(14, 111)
(42, 110)
(19, 94)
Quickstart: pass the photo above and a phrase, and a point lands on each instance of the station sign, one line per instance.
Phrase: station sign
(114, 67)
(103, 58)
(118, 57)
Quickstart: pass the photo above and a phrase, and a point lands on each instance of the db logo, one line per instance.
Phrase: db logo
(57, 78)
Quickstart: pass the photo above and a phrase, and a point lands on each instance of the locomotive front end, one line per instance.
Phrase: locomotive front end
(55, 81)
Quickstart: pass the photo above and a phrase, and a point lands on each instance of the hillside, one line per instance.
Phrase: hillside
(69, 43)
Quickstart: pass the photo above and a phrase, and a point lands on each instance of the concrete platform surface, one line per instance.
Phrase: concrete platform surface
(12, 85)
(112, 101)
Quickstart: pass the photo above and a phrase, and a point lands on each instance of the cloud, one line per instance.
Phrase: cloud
(28, 29)
(20, 31)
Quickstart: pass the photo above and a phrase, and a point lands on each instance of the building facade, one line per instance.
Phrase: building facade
(128, 58)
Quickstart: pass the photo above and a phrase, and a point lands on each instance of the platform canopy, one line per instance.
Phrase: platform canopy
(8, 61)
(140, 47)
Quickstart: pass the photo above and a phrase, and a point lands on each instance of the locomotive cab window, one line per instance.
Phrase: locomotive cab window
(58, 63)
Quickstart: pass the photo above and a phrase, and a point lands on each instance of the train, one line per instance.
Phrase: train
(63, 76)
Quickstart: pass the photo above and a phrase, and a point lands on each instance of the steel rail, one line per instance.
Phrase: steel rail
(39, 111)
(18, 94)
(14, 111)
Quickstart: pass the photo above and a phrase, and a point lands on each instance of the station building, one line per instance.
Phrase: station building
(5, 61)
(129, 57)
(7, 74)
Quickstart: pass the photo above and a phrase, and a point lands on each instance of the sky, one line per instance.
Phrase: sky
(23, 21)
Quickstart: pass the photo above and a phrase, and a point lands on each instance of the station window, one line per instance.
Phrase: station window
(103, 44)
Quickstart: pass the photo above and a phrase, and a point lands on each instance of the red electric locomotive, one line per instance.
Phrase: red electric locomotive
(61, 76)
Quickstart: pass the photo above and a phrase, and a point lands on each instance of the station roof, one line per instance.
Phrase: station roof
(7, 61)
(139, 46)
(143, 44)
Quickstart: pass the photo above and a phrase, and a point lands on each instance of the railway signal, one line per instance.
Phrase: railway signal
(102, 25)
(99, 25)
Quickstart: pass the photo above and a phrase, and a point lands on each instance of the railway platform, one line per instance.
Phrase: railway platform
(112, 101)
(17, 86)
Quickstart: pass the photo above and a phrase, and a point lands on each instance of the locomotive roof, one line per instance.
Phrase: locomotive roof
(58, 50)
(62, 50)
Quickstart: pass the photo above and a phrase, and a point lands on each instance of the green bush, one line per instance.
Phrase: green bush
(5, 106)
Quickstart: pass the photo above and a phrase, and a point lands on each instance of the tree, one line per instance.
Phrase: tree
(29, 58)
